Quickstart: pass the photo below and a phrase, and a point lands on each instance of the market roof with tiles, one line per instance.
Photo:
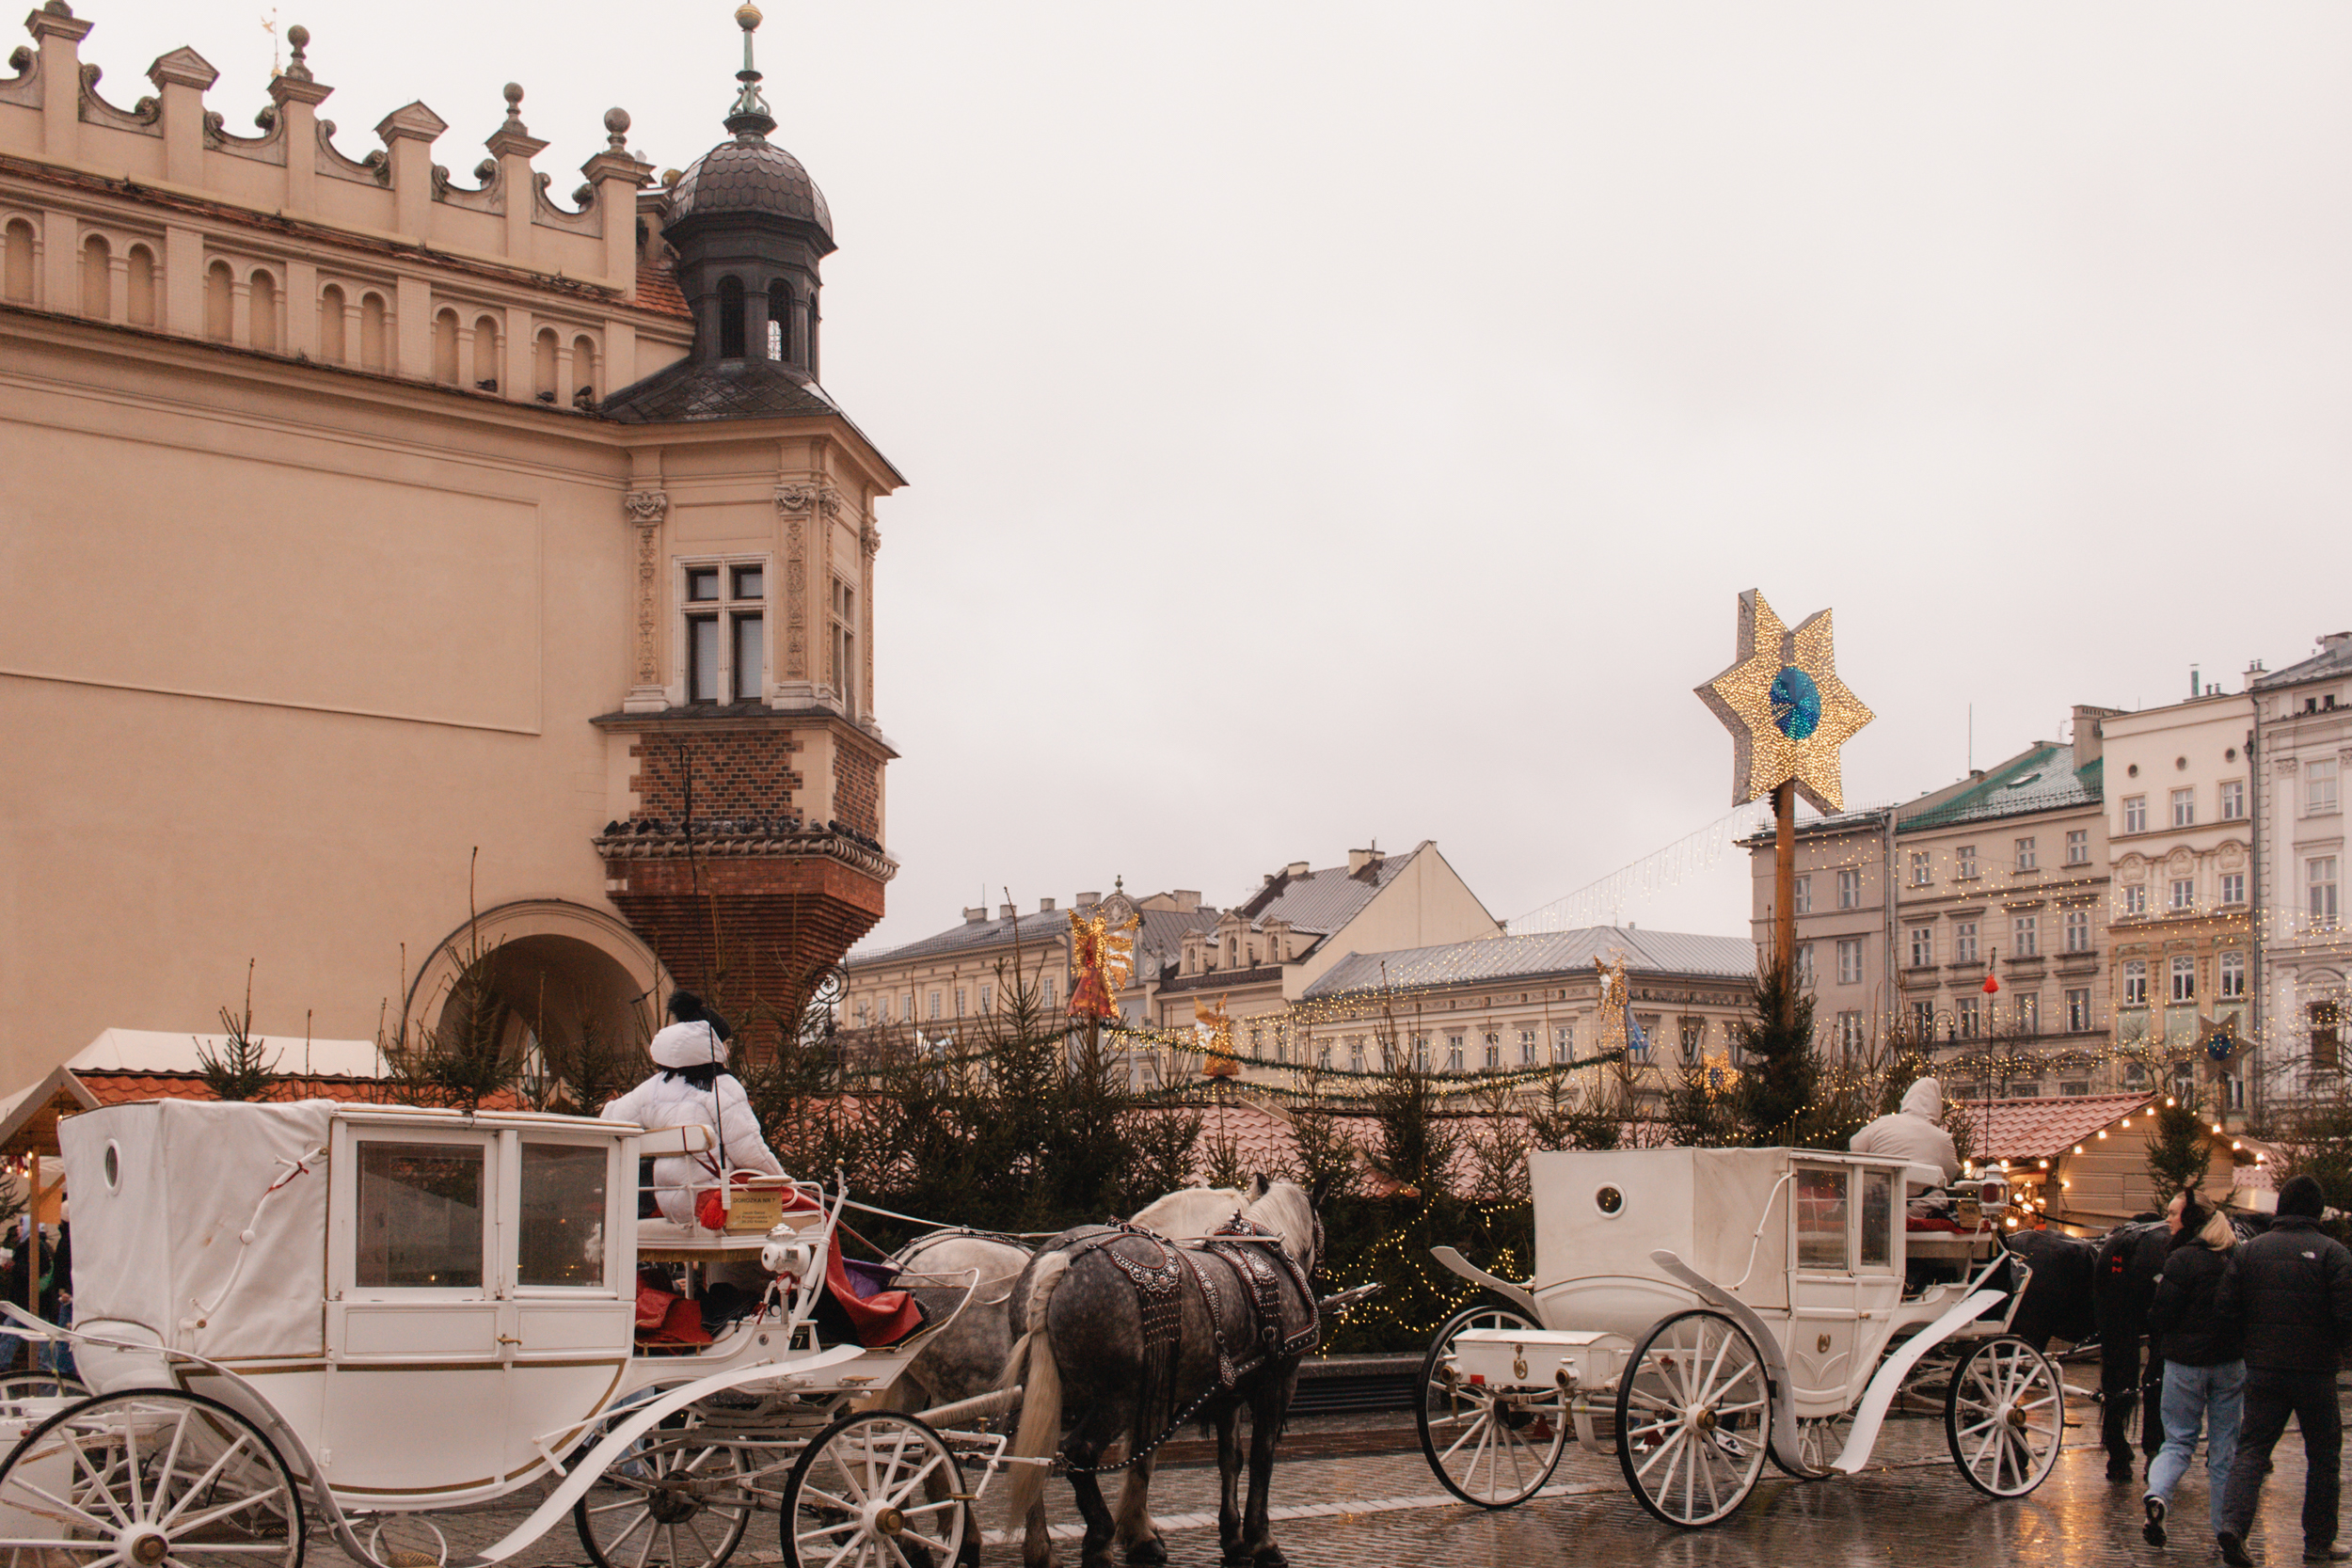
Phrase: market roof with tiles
(2041, 1128)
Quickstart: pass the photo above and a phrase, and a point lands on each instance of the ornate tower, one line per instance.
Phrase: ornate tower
(753, 855)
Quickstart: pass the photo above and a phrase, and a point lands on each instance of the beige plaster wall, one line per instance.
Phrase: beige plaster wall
(270, 669)
(1426, 905)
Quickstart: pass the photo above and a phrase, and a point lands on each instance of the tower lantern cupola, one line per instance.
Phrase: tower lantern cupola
(750, 228)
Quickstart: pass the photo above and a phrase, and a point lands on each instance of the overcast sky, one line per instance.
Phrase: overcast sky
(1350, 420)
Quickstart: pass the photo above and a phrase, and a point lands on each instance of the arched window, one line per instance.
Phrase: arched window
(331, 325)
(542, 350)
(486, 353)
(264, 302)
(219, 307)
(141, 284)
(445, 368)
(730, 318)
(583, 371)
(779, 321)
(374, 333)
(97, 278)
(16, 266)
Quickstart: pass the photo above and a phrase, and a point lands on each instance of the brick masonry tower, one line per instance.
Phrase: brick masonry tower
(752, 857)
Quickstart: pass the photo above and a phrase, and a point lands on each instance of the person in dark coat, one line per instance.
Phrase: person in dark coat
(2204, 1377)
(2290, 1290)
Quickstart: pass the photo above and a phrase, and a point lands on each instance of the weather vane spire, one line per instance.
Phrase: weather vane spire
(750, 115)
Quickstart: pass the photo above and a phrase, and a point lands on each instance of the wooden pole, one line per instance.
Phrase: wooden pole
(1784, 896)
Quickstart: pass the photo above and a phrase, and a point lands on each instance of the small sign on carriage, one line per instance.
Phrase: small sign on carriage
(756, 1211)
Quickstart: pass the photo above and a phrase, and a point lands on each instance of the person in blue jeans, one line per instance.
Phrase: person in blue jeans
(2204, 1375)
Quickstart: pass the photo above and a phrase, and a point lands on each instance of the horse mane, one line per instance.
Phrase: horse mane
(1191, 1212)
(1290, 1213)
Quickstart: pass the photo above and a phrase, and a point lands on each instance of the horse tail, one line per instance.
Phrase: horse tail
(1031, 1364)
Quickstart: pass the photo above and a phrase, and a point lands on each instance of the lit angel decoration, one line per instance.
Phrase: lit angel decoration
(1619, 1034)
(1718, 1076)
(1101, 957)
(1788, 714)
(1215, 1028)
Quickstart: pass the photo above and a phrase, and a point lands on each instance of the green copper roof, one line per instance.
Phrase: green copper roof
(2041, 778)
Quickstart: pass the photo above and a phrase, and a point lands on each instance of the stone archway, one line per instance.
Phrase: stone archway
(550, 980)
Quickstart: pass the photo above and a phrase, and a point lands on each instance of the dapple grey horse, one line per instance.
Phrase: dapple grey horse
(1084, 1344)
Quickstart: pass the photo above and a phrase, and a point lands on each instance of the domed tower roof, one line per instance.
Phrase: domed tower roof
(749, 175)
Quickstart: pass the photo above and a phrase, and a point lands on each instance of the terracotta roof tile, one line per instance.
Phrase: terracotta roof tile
(128, 1087)
(2040, 1128)
(657, 291)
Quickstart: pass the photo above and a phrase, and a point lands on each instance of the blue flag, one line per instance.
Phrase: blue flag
(1636, 1043)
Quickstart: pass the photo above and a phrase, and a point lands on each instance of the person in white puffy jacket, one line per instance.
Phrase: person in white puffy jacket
(1911, 1132)
(694, 1087)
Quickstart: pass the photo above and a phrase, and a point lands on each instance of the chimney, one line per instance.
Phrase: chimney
(1086, 900)
(1045, 906)
(973, 917)
(1296, 868)
(2333, 640)
(2254, 671)
(1187, 899)
(1006, 911)
(2088, 742)
(1359, 858)
(2193, 684)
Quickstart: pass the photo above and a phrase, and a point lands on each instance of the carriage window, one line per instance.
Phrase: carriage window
(1878, 1219)
(562, 1216)
(1820, 1219)
(420, 1214)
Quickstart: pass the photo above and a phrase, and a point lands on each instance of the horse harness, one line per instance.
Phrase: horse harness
(1242, 1243)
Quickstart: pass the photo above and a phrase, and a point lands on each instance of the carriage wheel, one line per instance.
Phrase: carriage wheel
(677, 1498)
(18, 1386)
(1490, 1447)
(879, 1488)
(1692, 1417)
(2003, 1415)
(147, 1478)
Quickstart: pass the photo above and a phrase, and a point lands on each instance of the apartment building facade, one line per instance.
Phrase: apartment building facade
(2181, 937)
(2303, 750)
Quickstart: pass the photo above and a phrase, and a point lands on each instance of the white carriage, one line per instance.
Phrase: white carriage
(1703, 1309)
(293, 1315)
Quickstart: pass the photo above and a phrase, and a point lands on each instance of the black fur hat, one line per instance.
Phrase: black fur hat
(685, 1006)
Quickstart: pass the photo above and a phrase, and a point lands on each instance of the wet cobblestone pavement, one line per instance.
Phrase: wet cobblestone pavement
(1912, 1508)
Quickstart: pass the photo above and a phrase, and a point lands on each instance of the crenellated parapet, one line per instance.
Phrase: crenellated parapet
(273, 238)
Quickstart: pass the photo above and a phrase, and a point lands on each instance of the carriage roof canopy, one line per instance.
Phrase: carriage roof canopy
(161, 1243)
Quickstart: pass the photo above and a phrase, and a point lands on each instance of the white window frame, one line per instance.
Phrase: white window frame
(2184, 972)
(2184, 807)
(2184, 894)
(2230, 971)
(2078, 930)
(1849, 960)
(2028, 857)
(2233, 887)
(1802, 900)
(2025, 936)
(1964, 948)
(2135, 983)
(2135, 897)
(2079, 847)
(725, 611)
(2078, 1009)
(1850, 890)
(2320, 779)
(2134, 813)
(1966, 857)
(1923, 947)
(2232, 795)
(2321, 897)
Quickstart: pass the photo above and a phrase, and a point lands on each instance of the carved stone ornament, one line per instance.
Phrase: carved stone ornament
(2288, 765)
(795, 498)
(871, 537)
(645, 510)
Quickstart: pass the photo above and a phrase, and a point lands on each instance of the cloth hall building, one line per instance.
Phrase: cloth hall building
(399, 563)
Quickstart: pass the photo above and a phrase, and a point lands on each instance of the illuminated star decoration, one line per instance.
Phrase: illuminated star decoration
(1102, 956)
(1788, 712)
(2217, 1038)
(1216, 1030)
